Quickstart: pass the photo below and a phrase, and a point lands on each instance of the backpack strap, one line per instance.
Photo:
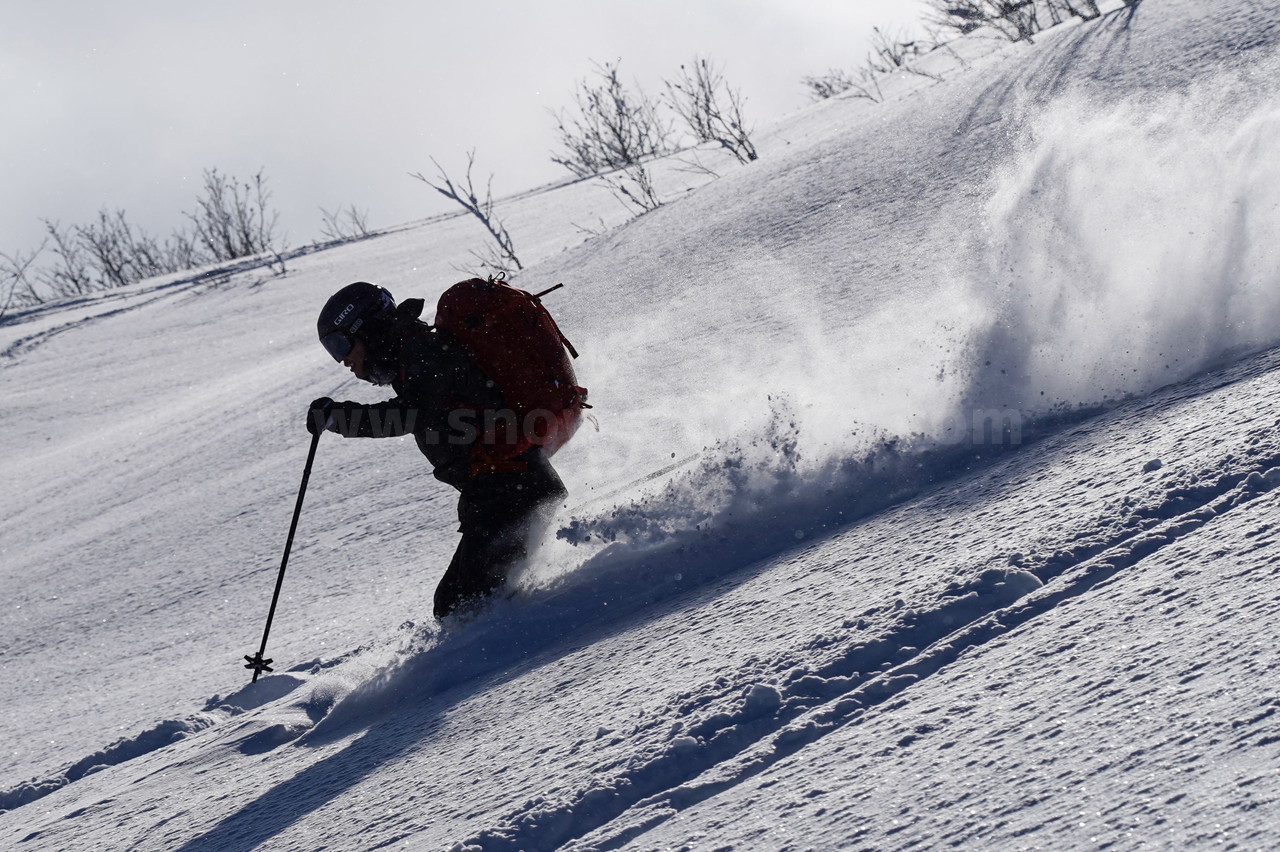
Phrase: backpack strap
(536, 298)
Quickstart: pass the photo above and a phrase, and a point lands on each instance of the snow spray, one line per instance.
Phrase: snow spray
(1130, 246)
(1125, 245)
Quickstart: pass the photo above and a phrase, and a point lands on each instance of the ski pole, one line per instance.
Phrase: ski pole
(257, 663)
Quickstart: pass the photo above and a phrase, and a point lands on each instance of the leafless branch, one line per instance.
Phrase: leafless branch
(232, 219)
(711, 108)
(1016, 20)
(633, 185)
(70, 274)
(694, 165)
(466, 197)
(612, 128)
(16, 268)
(592, 232)
(344, 224)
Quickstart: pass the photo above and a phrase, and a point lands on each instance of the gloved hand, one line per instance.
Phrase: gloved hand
(318, 414)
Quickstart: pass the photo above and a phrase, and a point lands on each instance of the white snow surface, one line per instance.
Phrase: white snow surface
(850, 613)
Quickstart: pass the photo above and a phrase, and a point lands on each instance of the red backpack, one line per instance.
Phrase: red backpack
(514, 340)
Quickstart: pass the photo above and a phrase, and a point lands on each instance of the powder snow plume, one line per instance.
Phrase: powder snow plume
(1124, 246)
(1131, 245)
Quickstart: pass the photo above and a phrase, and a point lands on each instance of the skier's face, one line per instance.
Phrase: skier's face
(355, 360)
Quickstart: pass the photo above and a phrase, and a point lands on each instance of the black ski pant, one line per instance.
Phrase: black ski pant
(498, 513)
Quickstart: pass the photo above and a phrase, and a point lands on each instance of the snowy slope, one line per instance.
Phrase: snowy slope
(841, 623)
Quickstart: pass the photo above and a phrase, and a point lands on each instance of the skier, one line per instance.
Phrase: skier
(445, 401)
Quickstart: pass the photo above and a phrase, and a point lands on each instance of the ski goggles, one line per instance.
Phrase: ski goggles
(337, 344)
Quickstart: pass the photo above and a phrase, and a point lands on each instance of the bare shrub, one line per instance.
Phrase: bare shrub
(69, 275)
(342, 225)
(890, 53)
(961, 16)
(613, 132)
(692, 164)
(1088, 8)
(121, 253)
(1016, 20)
(711, 109)
(183, 252)
(633, 184)
(613, 128)
(500, 257)
(828, 85)
(893, 52)
(865, 83)
(16, 271)
(109, 243)
(233, 219)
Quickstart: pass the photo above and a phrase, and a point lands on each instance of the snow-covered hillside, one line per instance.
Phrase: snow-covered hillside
(966, 405)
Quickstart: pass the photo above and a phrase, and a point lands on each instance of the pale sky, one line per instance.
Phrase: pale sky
(122, 105)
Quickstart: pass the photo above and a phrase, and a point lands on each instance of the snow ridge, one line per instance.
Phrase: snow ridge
(155, 288)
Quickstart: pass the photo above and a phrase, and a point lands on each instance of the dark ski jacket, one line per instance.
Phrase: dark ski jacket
(442, 399)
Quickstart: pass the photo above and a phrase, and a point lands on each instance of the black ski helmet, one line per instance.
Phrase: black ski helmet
(357, 311)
